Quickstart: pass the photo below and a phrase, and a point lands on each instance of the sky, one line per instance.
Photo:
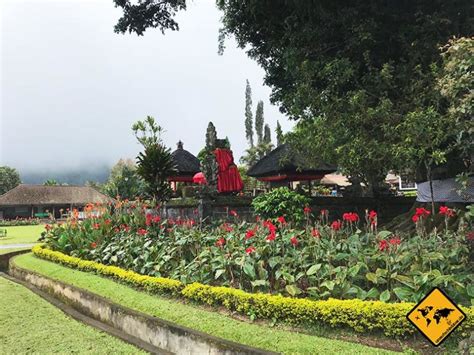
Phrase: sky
(71, 88)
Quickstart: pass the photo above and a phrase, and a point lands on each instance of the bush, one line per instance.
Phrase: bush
(19, 222)
(281, 202)
(340, 259)
(361, 316)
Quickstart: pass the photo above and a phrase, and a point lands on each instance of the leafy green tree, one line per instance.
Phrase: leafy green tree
(353, 74)
(124, 181)
(248, 114)
(9, 178)
(51, 182)
(279, 134)
(138, 16)
(155, 164)
(259, 122)
(456, 83)
(350, 73)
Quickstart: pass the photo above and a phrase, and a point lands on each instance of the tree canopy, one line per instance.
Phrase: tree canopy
(363, 78)
(9, 178)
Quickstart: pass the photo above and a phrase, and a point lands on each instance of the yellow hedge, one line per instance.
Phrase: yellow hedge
(362, 316)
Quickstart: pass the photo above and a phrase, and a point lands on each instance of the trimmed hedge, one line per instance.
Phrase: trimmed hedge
(361, 316)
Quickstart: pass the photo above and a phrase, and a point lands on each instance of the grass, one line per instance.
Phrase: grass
(22, 234)
(32, 325)
(5, 251)
(270, 338)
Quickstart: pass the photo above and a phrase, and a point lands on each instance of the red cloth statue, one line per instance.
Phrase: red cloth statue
(228, 177)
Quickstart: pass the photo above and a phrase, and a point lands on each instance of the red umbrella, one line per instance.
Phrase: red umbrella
(200, 179)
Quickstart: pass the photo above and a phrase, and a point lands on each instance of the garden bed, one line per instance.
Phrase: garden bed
(272, 338)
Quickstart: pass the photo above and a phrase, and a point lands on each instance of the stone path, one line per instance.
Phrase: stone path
(16, 246)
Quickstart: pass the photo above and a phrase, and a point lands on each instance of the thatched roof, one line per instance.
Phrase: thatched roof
(186, 163)
(284, 160)
(52, 195)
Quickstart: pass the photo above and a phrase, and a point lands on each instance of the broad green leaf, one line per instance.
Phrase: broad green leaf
(385, 296)
(313, 269)
(292, 290)
(219, 272)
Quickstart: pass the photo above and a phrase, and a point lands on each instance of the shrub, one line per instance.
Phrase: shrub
(281, 202)
(361, 316)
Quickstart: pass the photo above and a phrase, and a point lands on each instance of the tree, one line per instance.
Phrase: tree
(9, 178)
(350, 73)
(138, 16)
(259, 122)
(51, 182)
(248, 114)
(124, 181)
(155, 164)
(279, 134)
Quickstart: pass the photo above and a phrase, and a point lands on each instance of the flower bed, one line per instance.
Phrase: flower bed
(322, 258)
(361, 316)
(20, 222)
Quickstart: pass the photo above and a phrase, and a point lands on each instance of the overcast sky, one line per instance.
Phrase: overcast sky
(71, 88)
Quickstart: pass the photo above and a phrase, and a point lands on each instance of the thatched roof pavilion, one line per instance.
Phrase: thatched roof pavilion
(187, 165)
(32, 200)
(283, 164)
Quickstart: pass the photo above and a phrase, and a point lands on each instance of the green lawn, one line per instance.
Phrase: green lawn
(265, 337)
(32, 325)
(5, 251)
(22, 234)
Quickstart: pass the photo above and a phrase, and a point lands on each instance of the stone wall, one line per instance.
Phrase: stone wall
(220, 209)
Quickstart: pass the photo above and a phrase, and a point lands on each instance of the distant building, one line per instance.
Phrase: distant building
(29, 201)
(187, 165)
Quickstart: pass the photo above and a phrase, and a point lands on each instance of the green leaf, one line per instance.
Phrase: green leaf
(249, 270)
(384, 234)
(313, 269)
(329, 285)
(292, 290)
(403, 293)
(371, 277)
(470, 290)
(257, 283)
(373, 293)
(219, 272)
(385, 296)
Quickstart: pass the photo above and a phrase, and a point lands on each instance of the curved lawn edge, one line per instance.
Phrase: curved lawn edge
(209, 322)
(361, 316)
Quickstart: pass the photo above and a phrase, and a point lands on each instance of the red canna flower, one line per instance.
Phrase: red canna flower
(372, 215)
(148, 219)
(220, 242)
(48, 227)
(156, 219)
(351, 217)
(422, 212)
(116, 230)
(315, 233)
(383, 245)
(107, 222)
(142, 232)
(93, 245)
(271, 227)
(336, 225)
(294, 241)
(249, 234)
(324, 212)
(446, 211)
(125, 227)
(281, 220)
(96, 226)
(470, 236)
(307, 210)
(227, 227)
(250, 250)
(395, 241)
(415, 218)
(233, 213)
(271, 237)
